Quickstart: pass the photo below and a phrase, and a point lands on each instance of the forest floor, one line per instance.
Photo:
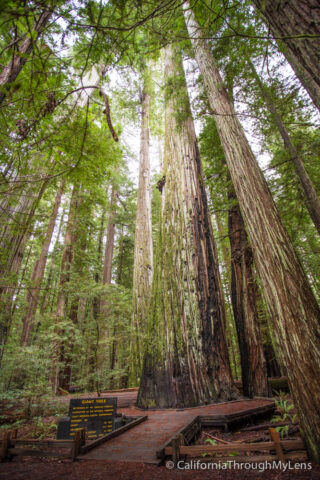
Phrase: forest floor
(108, 470)
(93, 469)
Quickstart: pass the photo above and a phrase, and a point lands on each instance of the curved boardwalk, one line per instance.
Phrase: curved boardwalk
(141, 442)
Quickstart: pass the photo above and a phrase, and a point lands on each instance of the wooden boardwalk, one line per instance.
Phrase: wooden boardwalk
(141, 443)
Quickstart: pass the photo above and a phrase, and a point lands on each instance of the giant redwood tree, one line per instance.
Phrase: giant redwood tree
(244, 304)
(143, 249)
(296, 26)
(186, 359)
(294, 310)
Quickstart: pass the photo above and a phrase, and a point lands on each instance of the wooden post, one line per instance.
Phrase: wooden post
(176, 450)
(83, 436)
(5, 445)
(76, 445)
(275, 437)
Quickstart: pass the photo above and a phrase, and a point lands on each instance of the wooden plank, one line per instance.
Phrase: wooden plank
(28, 452)
(276, 439)
(183, 431)
(44, 443)
(298, 456)
(231, 418)
(236, 447)
(95, 443)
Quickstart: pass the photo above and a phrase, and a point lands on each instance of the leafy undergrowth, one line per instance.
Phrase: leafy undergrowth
(35, 416)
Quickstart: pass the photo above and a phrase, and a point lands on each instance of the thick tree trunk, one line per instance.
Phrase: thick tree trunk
(38, 273)
(143, 249)
(294, 310)
(244, 304)
(66, 264)
(309, 192)
(294, 18)
(186, 358)
(10, 72)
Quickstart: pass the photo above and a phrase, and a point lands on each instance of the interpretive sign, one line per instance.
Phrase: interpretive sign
(96, 415)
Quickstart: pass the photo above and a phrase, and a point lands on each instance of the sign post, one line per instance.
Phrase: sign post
(96, 415)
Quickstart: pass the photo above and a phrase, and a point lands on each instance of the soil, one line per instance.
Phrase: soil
(107, 470)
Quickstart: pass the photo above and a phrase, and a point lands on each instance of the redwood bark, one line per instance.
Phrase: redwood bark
(186, 358)
(294, 310)
(244, 304)
(143, 248)
(294, 18)
(10, 72)
(108, 254)
(66, 264)
(309, 192)
(38, 273)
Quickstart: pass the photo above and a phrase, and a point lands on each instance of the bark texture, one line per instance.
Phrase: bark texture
(66, 265)
(244, 304)
(294, 310)
(309, 192)
(186, 359)
(143, 248)
(38, 273)
(296, 18)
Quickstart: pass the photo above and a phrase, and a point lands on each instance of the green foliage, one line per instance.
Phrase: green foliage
(284, 408)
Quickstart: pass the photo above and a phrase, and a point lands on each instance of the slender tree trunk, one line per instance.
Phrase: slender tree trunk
(107, 265)
(13, 253)
(10, 72)
(143, 249)
(108, 254)
(290, 18)
(309, 192)
(38, 273)
(92, 364)
(66, 264)
(293, 307)
(49, 286)
(244, 304)
(186, 357)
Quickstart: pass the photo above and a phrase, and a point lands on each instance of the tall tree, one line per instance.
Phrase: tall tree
(186, 358)
(66, 263)
(309, 192)
(108, 253)
(38, 272)
(244, 304)
(14, 243)
(143, 249)
(295, 312)
(296, 26)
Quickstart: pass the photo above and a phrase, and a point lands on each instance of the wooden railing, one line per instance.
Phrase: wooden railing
(294, 450)
(11, 446)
